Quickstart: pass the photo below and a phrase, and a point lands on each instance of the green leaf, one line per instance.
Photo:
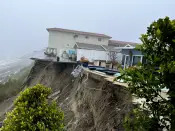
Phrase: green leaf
(31, 110)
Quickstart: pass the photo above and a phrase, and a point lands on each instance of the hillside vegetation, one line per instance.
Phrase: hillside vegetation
(33, 112)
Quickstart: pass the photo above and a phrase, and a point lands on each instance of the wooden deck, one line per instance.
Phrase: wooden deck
(54, 60)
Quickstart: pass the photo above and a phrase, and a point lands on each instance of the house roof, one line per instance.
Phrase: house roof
(78, 32)
(96, 47)
(111, 48)
(117, 43)
(89, 46)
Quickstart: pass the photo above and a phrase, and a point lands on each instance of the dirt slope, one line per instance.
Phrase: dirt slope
(89, 102)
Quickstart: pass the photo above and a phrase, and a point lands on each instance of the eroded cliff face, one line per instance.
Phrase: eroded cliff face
(90, 102)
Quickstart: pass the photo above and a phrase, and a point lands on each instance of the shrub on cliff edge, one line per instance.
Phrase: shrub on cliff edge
(32, 112)
(146, 81)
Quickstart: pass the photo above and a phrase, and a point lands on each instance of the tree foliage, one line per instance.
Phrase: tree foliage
(32, 112)
(147, 80)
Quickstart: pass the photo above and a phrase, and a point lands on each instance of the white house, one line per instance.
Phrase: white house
(72, 45)
(62, 40)
(90, 51)
(96, 52)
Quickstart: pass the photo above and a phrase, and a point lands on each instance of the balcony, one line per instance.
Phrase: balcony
(51, 52)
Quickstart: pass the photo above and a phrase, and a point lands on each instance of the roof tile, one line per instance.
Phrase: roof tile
(117, 43)
(78, 32)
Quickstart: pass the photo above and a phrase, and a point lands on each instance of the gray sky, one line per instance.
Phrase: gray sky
(23, 23)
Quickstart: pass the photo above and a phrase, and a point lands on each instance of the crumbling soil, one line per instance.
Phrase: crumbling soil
(89, 103)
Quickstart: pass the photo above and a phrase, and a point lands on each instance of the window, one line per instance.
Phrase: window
(136, 60)
(99, 39)
(123, 59)
(75, 36)
(126, 61)
(86, 37)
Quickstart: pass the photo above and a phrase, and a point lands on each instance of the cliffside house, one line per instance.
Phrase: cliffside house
(71, 45)
(62, 40)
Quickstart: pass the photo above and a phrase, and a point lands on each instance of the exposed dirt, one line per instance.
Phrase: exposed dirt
(90, 103)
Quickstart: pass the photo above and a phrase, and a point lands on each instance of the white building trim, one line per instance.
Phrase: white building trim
(124, 47)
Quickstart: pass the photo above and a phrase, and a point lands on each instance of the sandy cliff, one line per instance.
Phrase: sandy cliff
(90, 102)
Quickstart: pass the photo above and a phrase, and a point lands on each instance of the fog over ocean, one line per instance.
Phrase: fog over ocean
(10, 66)
(23, 23)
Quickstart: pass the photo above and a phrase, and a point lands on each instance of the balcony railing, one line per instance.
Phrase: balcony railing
(52, 52)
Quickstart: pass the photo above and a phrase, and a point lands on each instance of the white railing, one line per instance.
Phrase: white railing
(52, 52)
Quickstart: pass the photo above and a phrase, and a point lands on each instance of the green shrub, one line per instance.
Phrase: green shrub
(146, 81)
(33, 112)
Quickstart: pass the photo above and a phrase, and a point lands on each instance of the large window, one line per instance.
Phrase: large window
(136, 59)
(126, 61)
(123, 59)
(99, 39)
(131, 61)
(75, 36)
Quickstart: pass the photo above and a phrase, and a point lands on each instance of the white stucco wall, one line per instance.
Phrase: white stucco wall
(92, 55)
(96, 55)
(61, 40)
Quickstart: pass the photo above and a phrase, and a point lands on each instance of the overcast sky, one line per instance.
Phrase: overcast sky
(23, 23)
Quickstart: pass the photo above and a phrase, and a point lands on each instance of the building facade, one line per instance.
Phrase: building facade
(131, 57)
(91, 52)
(71, 44)
(63, 39)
